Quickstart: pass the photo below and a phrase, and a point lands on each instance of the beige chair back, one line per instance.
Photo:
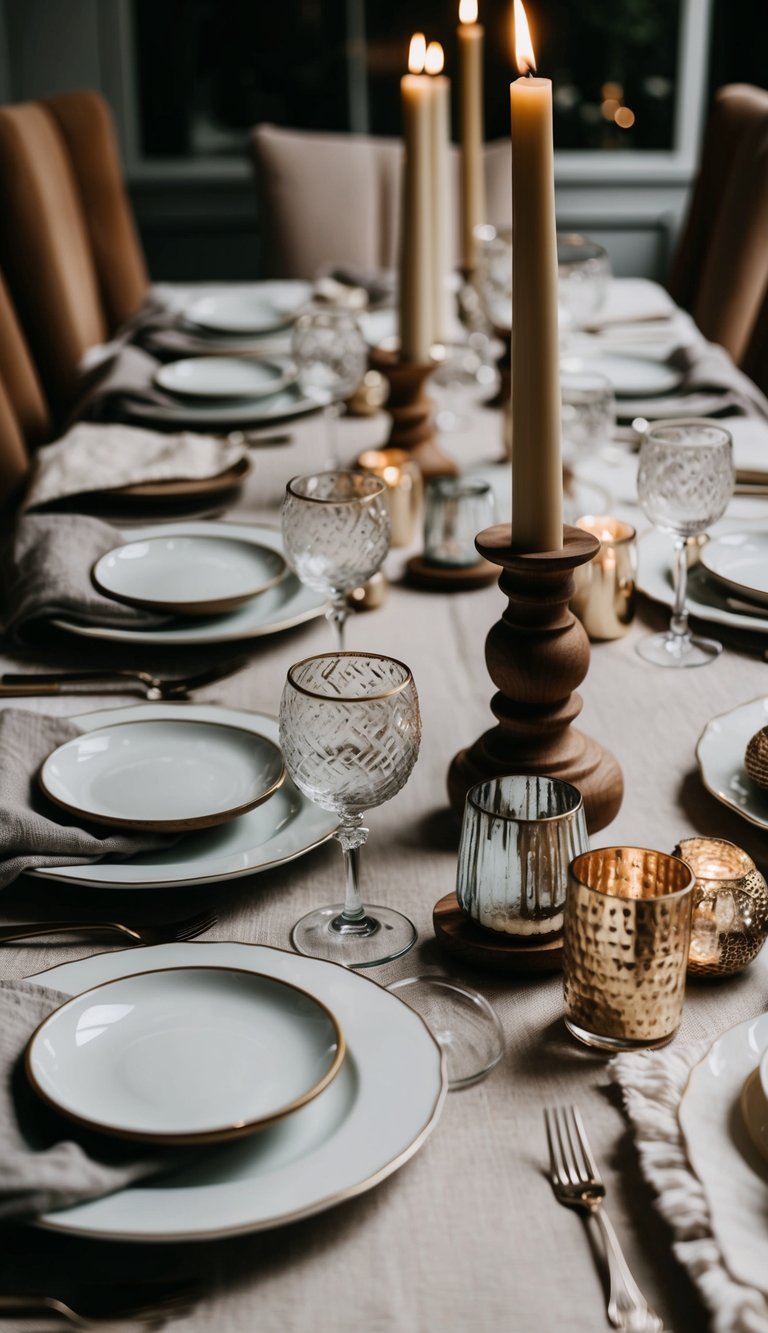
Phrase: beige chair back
(19, 376)
(14, 460)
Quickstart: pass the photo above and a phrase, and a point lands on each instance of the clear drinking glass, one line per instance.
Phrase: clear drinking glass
(465, 377)
(336, 532)
(350, 732)
(584, 276)
(588, 414)
(456, 509)
(331, 357)
(684, 482)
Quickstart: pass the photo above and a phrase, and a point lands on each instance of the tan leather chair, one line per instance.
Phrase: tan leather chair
(14, 460)
(85, 123)
(720, 271)
(19, 376)
(45, 250)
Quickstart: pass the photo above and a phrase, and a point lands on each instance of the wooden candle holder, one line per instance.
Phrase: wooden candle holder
(411, 410)
(536, 655)
(504, 366)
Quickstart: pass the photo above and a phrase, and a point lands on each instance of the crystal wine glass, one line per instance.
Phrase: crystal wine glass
(336, 533)
(350, 731)
(684, 482)
(584, 277)
(331, 357)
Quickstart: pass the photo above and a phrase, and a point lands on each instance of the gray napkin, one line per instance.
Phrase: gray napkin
(33, 832)
(45, 1163)
(128, 377)
(712, 386)
(47, 573)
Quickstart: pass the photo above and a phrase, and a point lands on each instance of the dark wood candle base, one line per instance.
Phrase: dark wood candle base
(462, 937)
(411, 410)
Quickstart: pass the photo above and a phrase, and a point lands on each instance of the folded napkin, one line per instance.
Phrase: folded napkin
(107, 457)
(379, 287)
(634, 300)
(45, 1162)
(652, 1084)
(128, 377)
(712, 386)
(34, 833)
(46, 573)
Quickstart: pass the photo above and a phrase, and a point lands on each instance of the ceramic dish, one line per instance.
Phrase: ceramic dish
(180, 488)
(185, 1055)
(377, 1112)
(170, 774)
(705, 598)
(286, 826)
(249, 310)
(720, 752)
(289, 402)
(754, 1109)
(631, 376)
(739, 560)
(193, 576)
(287, 604)
(223, 377)
(721, 1153)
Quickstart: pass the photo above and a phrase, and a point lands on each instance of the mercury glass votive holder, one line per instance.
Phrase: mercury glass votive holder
(456, 510)
(404, 493)
(518, 837)
(626, 939)
(729, 921)
(604, 589)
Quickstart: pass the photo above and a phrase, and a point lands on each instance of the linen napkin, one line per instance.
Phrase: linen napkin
(712, 386)
(127, 378)
(634, 301)
(652, 1084)
(46, 573)
(107, 457)
(33, 832)
(45, 1162)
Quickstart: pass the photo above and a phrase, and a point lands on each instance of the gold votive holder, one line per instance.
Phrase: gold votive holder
(405, 489)
(729, 920)
(627, 934)
(371, 595)
(604, 593)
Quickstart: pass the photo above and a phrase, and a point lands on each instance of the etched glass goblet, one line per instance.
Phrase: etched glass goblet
(350, 732)
(336, 533)
(331, 358)
(684, 482)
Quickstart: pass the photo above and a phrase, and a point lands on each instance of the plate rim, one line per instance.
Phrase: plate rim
(285, 318)
(715, 615)
(718, 795)
(232, 414)
(758, 595)
(184, 824)
(671, 372)
(221, 1134)
(206, 607)
(53, 1222)
(285, 375)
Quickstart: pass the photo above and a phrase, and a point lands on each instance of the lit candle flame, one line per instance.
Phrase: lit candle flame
(467, 11)
(417, 53)
(524, 56)
(434, 58)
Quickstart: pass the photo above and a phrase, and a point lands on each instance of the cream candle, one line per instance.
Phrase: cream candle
(442, 230)
(537, 480)
(471, 40)
(416, 306)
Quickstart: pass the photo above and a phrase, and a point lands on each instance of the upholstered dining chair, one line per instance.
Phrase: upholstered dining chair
(720, 271)
(19, 376)
(14, 459)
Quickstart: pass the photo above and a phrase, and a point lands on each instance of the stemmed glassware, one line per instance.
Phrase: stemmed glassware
(336, 533)
(684, 482)
(331, 358)
(350, 732)
(584, 277)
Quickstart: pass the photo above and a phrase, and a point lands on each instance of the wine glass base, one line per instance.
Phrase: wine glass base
(461, 1021)
(678, 650)
(387, 936)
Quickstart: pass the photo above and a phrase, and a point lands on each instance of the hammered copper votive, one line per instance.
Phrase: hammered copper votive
(626, 937)
(729, 921)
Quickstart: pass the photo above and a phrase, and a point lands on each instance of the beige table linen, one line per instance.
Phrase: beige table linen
(467, 1236)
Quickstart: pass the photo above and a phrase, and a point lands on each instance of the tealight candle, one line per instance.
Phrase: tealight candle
(729, 923)
(405, 488)
(604, 590)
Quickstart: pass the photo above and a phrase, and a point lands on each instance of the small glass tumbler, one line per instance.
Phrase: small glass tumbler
(456, 509)
(604, 589)
(518, 837)
(587, 412)
(626, 939)
(729, 921)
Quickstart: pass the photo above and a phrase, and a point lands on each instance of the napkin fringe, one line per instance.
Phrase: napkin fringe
(651, 1085)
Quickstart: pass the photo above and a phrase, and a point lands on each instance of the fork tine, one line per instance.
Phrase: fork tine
(566, 1147)
(580, 1165)
(194, 926)
(553, 1161)
(556, 1156)
(581, 1134)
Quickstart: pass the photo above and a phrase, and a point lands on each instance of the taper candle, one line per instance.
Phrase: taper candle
(416, 303)
(471, 40)
(442, 230)
(537, 479)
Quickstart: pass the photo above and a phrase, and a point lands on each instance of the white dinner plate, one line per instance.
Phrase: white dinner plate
(720, 752)
(170, 774)
(224, 377)
(631, 376)
(705, 598)
(281, 607)
(190, 575)
(375, 1114)
(248, 310)
(754, 1109)
(185, 1055)
(284, 827)
(289, 402)
(721, 1153)
(739, 560)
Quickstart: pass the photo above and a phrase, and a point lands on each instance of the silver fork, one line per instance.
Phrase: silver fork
(145, 1316)
(168, 932)
(577, 1183)
(88, 682)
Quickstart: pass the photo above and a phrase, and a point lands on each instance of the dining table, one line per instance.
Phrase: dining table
(467, 1234)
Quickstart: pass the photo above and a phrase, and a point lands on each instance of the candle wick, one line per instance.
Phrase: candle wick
(529, 73)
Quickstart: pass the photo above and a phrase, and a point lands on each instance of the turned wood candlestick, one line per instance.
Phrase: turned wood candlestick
(411, 410)
(504, 366)
(537, 654)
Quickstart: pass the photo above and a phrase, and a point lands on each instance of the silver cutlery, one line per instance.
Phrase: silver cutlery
(577, 1183)
(164, 932)
(153, 1316)
(121, 680)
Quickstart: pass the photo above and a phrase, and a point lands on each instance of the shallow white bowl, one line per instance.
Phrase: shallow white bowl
(224, 377)
(190, 575)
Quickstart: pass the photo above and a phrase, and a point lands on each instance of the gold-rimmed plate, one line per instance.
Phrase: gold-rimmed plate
(185, 1054)
(188, 574)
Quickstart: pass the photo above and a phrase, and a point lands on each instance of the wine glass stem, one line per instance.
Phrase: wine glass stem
(338, 617)
(331, 415)
(679, 622)
(353, 920)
